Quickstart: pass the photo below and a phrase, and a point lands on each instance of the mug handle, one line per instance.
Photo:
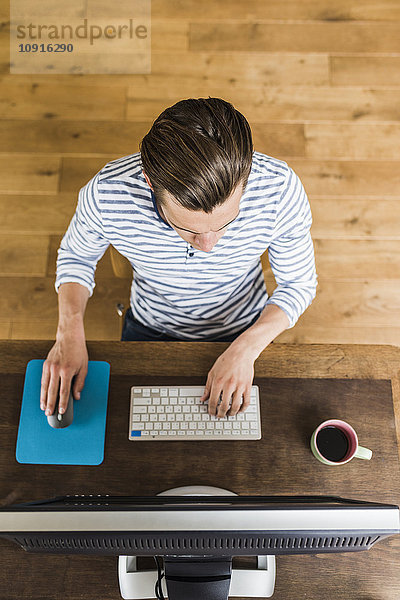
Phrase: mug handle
(363, 453)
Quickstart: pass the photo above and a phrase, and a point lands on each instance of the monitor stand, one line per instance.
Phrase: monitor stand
(245, 583)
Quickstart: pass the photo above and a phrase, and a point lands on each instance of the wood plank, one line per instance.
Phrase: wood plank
(39, 329)
(76, 172)
(319, 10)
(75, 137)
(295, 37)
(352, 304)
(356, 260)
(23, 173)
(349, 178)
(353, 141)
(23, 255)
(365, 70)
(345, 260)
(265, 103)
(279, 139)
(231, 70)
(62, 102)
(38, 214)
(300, 334)
(349, 218)
(188, 69)
(43, 298)
(5, 329)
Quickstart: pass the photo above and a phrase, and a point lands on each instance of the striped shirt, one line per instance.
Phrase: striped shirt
(182, 291)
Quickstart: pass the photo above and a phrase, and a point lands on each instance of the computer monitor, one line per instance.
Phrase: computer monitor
(197, 537)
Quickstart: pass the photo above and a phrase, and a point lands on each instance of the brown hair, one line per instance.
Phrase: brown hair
(199, 150)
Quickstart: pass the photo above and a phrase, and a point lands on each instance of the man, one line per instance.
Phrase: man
(193, 211)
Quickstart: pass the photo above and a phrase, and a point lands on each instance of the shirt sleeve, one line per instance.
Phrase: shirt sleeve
(84, 242)
(291, 251)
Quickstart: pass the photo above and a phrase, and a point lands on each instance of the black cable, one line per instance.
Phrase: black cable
(158, 586)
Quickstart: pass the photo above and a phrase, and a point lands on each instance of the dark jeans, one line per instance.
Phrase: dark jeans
(133, 331)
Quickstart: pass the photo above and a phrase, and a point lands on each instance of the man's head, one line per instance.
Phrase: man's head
(197, 159)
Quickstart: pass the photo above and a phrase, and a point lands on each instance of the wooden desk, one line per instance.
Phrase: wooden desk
(300, 385)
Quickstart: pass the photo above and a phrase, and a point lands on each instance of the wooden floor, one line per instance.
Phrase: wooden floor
(319, 82)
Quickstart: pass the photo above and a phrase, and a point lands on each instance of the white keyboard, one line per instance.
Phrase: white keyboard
(176, 413)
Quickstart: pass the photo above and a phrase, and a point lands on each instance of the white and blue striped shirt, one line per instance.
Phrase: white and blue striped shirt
(182, 291)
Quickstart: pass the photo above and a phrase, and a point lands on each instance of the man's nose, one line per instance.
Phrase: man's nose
(206, 241)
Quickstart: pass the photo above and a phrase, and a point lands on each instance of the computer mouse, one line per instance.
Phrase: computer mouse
(60, 421)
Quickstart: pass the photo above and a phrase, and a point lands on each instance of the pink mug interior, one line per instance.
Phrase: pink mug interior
(349, 433)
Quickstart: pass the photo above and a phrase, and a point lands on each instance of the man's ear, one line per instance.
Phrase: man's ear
(147, 179)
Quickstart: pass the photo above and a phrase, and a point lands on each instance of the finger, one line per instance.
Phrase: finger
(236, 402)
(79, 382)
(44, 384)
(64, 391)
(52, 391)
(226, 400)
(246, 399)
(214, 397)
(206, 393)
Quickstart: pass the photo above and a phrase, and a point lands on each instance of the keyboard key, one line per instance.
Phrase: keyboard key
(141, 401)
(140, 410)
(251, 417)
(191, 391)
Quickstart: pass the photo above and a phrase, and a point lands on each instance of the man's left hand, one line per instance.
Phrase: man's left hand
(232, 375)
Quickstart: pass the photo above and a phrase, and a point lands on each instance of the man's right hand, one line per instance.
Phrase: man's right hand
(68, 358)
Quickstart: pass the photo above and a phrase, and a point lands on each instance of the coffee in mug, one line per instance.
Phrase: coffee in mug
(335, 442)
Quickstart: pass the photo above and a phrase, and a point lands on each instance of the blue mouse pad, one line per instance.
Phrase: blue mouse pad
(82, 443)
